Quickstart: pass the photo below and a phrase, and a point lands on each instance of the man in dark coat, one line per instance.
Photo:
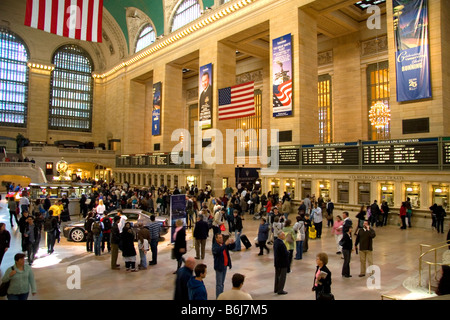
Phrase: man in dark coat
(201, 231)
(184, 274)
(281, 262)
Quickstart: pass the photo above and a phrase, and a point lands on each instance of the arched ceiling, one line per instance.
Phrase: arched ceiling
(154, 9)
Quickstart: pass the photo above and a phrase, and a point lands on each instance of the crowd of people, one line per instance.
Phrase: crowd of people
(204, 212)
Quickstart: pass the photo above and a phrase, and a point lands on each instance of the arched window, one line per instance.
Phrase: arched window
(71, 90)
(13, 80)
(187, 11)
(146, 37)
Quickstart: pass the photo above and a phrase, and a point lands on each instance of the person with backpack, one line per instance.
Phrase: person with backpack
(97, 232)
(107, 226)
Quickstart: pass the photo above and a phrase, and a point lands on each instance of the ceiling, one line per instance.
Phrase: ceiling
(335, 18)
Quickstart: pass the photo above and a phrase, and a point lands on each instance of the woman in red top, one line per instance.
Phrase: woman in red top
(403, 215)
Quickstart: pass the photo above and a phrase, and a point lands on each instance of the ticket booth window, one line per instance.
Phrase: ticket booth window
(191, 180)
(412, 191)
(275, 186)
(440, 196)
(364, 193)
(387, 193)
(343, 192)
(290, 188)
(306, 188)
(324, 190)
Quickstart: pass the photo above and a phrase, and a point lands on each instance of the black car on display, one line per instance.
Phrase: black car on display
(75, 231)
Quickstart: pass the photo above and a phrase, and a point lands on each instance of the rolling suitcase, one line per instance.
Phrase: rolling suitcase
(245, 241)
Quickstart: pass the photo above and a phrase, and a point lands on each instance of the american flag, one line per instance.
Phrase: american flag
(76, 19)
(284, 95)
(237, 101)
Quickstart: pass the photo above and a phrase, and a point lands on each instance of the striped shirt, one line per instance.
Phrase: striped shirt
(155, 229)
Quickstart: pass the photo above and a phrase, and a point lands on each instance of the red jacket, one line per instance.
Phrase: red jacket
(402, 211)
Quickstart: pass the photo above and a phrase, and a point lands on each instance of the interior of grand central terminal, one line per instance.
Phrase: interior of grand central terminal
(351, 128)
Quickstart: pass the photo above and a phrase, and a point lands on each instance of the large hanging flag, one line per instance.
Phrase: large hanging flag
(237, 101)
(412, 49)
(76, 19)
(282, 76)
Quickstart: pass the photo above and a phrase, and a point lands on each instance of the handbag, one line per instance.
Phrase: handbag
(4, 287)
(222, 227)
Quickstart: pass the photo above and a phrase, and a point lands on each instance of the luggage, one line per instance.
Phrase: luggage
(312, 232)
(245, 241)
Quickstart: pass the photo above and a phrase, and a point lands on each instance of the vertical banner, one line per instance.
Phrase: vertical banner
(177, 211)
(156, 112)
(412, 50)
(282, 73)
(205, 96)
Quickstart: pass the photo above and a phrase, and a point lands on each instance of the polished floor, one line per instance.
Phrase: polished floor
(396, 254)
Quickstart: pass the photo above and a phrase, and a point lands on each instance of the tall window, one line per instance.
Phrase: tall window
(71, 90)
(378, 90)
(13, 80)
(187, 11)
(251, 122)
(324, 96)
(146, 37)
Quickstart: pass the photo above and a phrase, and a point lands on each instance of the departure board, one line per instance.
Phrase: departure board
(339, 154)
(289, 156)
(400, 152)
(446, 150)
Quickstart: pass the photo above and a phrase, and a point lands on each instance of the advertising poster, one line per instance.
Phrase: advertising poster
(282, 76)
(412, 50)
(177, 211)
(156, 112)
(205, 95)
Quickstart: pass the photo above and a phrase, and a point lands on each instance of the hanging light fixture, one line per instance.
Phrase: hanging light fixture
(379, 115)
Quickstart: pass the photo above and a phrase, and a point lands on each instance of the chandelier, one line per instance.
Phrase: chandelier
(379, 115)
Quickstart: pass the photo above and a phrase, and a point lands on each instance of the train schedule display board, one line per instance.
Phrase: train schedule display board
(331, 154)
(401, 152)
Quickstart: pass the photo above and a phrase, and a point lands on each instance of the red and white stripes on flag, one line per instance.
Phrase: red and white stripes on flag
(76, 19)
(237, 101)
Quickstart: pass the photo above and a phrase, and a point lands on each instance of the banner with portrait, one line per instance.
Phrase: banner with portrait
(205, 96)
(156, 112)
(282, 76)
(412, 49)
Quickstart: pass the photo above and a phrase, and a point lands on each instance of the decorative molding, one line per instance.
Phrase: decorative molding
(374, 46)
(192, 94)
(256, 76)
(324, 58)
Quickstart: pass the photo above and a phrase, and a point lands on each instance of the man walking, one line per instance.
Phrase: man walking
(365, 239)
(222, 260)
(201, 230)
(115, 240)
(281, 263)
(155, 231)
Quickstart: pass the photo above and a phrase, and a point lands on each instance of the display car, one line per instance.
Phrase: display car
(76, 232)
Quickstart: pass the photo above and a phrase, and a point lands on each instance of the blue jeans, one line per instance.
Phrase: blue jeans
(97, 244)
(143, 256)
(299, 253)
(237, 241)
(22, 296)
(154, 248)
(220, 281)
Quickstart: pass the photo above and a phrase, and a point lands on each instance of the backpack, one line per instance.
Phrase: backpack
(289, 238)
(107, 224)
(96, 229)
(48, 224)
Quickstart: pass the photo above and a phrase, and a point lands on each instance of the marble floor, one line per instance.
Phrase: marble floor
(396, 254)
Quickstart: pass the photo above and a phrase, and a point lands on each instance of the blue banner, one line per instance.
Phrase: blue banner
(282, 76)
(156, 112)
(412, 50)
(177, 211)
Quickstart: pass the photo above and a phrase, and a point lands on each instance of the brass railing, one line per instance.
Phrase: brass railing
(434, 248)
